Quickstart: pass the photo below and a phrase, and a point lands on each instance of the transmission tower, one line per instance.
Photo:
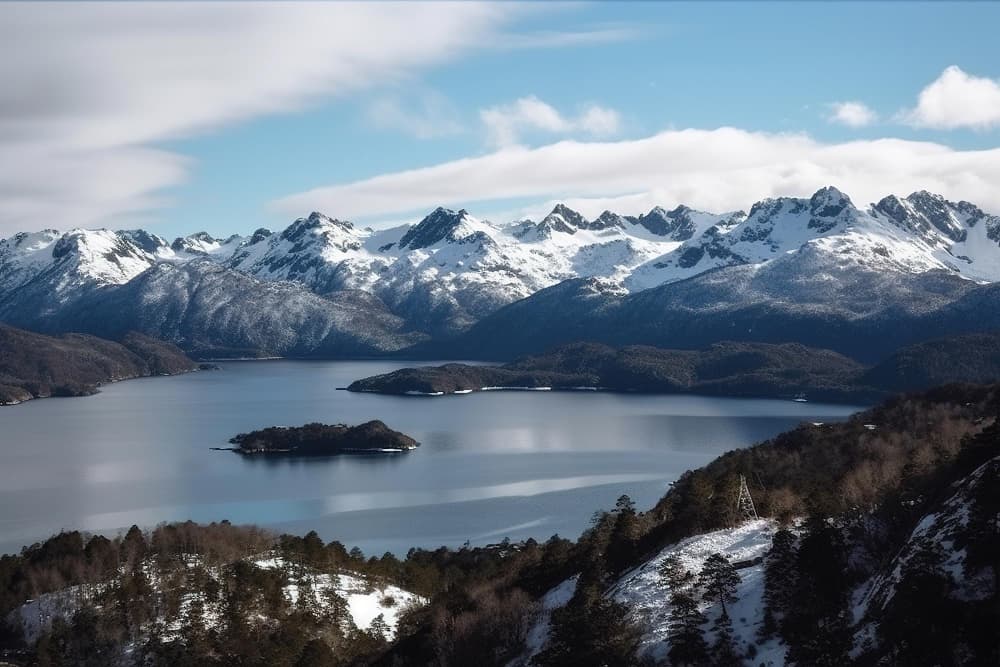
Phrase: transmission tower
(744, 504)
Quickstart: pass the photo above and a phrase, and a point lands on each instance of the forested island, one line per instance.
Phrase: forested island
(316, 439)
(34, 365)
(787, 370)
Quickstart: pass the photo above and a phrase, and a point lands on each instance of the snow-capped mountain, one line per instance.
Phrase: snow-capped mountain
(449, 271)
(920, 233)
(43, 272)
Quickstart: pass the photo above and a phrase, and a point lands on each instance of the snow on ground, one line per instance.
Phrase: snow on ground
(643, 592)
(365, 601)
(538, 635)
(940, 529)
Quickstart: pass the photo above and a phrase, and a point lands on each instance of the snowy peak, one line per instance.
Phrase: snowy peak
(443, 224)
(607, 220)
(98, 256)
(562, 219)
(680, 224)
(568, 216)
(322, 230)
(145, 241)
(259, 235)
(937, 220)
(828, 203)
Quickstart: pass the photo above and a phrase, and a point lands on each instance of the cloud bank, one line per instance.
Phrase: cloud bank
(89, 89)
(717, 170)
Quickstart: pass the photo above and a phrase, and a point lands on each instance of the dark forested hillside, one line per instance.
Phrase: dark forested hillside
(727, 369)
(894, 512)
(35, 365)
(731, 369)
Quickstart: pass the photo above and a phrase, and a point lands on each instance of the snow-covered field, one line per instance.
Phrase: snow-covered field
(643, 591)
(365, 601)
(647, 596)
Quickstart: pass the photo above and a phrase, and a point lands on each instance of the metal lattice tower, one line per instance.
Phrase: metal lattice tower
(744, 504)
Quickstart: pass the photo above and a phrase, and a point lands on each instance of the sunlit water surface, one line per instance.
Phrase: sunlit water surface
(491, 465)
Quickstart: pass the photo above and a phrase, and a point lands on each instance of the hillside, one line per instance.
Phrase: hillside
(876, 544)
(725, 369)
(34, 365)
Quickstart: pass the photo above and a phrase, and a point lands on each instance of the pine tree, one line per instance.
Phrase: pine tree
(379, 629)
(718, 579)
(590, 630)
(624, 535)
(687, 643)
(316, 654)
(816, 625)
(921, 623)
(779, 580)
(673, 574)
(724, 652)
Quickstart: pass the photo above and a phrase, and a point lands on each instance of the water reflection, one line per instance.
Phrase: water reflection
(490, 465)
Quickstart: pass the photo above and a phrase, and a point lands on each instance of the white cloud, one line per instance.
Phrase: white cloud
(427, 116)
(89, 90)
(852, 114)
(956, 99)
(506, 123)
(716, 170)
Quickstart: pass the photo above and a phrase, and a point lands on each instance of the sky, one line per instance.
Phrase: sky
(233, 116)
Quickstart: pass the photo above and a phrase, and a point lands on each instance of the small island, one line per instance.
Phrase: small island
(316, 439)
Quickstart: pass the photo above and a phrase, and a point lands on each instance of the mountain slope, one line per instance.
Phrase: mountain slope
(811, 297)
(34, 365)
(815, 270)
(210, 310)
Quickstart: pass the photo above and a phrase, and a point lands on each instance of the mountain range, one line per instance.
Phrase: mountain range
(820, 271)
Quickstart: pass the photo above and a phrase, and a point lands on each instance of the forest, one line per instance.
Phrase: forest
(848, 497)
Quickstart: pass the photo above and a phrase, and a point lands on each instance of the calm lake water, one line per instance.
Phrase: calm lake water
(495, 464)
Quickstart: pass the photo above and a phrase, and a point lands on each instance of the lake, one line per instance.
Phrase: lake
(491, 465)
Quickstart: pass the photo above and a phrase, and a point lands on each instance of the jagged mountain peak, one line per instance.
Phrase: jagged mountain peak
(146, 241)
(829, 202)
(439, 225)
(607, 220)
(562, 213)
(318, 224)
(259, 235)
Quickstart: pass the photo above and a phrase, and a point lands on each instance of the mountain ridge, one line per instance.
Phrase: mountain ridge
(446, 276)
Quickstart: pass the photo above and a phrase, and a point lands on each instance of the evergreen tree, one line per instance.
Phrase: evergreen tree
(624, 535)
(724, 653)
(335, 608)
(379, 628)
(779, 580)
(920, 623)
(817, 625)
(316, 654)
(718, 579)
(673, 574)
(590, 631)
(687, 643)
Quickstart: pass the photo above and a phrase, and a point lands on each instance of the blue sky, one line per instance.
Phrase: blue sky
(767, 69)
